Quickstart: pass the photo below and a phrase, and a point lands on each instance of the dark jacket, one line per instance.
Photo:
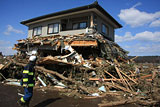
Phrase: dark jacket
(28, 79)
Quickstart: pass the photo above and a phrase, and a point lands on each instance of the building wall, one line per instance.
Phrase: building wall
(44, 27)
(69, 25)
(101, 21)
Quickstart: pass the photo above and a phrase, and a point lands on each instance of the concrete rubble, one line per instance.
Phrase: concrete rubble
(85, 66)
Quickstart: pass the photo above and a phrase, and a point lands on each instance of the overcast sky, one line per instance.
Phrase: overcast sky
(140, 34)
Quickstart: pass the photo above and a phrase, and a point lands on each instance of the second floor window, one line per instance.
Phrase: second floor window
(81, 25)
(75, 26)
(104, 29)
(53, 28)
(37, 31)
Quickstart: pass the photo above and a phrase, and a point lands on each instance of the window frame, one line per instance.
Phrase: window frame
(37, 31)
(79, 25)
(53, 28)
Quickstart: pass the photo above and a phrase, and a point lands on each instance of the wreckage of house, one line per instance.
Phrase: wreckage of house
(89, 30)
(77, 53)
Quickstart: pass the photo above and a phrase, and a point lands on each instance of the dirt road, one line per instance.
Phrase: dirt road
(9, 97)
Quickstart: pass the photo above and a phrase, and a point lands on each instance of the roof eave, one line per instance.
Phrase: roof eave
(93, 5)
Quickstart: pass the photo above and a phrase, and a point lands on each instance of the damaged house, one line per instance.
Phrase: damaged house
(77, 52)
(88, 30)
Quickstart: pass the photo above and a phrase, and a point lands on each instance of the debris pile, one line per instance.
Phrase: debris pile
(86, 65)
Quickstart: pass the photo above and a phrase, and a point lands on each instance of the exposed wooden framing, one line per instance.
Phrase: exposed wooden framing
(91, 21)
(80, 43)
(71, 43)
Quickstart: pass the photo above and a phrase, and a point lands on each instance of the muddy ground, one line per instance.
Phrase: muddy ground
(48, 98)
(9, 96)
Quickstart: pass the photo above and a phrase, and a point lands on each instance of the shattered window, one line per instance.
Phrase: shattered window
(53, 28)
(37, 30)
(83, 25)
(104, 29)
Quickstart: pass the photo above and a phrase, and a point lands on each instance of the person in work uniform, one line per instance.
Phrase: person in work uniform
(28, 81)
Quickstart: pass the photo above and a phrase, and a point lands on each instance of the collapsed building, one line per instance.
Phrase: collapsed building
(73, 36)
(88, 29)
(76, 49)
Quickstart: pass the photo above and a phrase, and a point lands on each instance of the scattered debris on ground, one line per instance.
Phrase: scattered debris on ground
(85, 66)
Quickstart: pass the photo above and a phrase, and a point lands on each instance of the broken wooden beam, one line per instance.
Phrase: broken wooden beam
(7, 65)
(119, 87)
(126, 75)
(121, 77)
(1, 66)
(42, 69)
(111, 79)
(80, 43)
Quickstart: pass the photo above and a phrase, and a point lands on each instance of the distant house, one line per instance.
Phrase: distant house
(74, 21)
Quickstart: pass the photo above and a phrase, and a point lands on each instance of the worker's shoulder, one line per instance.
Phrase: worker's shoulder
(27, 67)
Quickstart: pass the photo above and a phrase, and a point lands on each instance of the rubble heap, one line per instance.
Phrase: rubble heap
(86, 65)
(87, 45)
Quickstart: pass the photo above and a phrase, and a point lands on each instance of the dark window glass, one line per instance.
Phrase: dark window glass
(104, 29)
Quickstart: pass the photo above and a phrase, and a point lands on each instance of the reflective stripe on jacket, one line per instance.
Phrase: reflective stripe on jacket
(28, 79)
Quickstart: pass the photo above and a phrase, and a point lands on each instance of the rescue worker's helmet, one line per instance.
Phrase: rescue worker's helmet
(34, 52)
(32, 58)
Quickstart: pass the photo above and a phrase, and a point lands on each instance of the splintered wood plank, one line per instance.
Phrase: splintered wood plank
(53, 60)
(119, 87)
(129, 84)
(145, 76)
(128, 77)
(1, 66)
(116, 62)
(121, 77)
(110, 74)
(109, 79)
(132, 74)
(80, 43)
